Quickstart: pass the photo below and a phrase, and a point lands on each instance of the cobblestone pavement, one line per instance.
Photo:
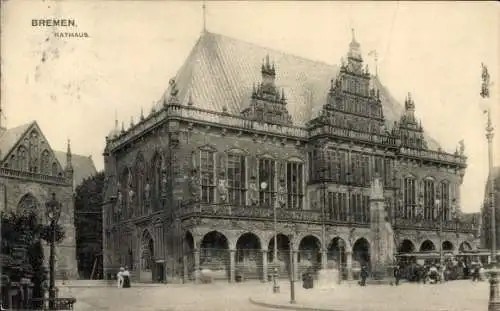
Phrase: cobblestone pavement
(171, 297)
(452, 296)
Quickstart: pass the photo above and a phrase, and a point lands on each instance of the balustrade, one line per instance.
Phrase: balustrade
(434, 225)
(7, 172)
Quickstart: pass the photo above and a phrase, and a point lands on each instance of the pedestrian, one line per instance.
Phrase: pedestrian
(126, 278)
(119, 277)
(364, 275)
(397, 274)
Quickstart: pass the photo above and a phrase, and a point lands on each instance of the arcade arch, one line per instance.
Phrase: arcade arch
(427, 246)
(248, 255)
(361, 253)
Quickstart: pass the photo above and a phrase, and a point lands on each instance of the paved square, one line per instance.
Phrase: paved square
(451, 296)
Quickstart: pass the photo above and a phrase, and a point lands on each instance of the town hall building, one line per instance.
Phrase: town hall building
(245, 135)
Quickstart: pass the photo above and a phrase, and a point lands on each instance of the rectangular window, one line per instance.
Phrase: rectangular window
(236, 179)
(445, 201)
(294, 180)
(365, 167)
(387, 172)
(207, 176)
(429, 199)
(409, 197)
(378, 169)
(267, 174)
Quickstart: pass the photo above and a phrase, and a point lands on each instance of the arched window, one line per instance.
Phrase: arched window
(22, 158)
(13, 162)
(409, 197)
(54, 169)
(140, 182)
(33, 152)
(156, 186)
(429, 199)
(44, 162)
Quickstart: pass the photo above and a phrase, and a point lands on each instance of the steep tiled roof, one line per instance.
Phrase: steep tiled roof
(83, 166)
(10, 137)
(220, 71)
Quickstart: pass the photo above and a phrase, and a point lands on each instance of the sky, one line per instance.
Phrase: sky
(74, 87)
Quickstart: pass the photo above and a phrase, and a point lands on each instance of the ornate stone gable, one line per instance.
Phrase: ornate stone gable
(267, 103)
(32, 152)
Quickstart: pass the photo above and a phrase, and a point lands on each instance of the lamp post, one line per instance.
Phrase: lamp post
(53, 210)
(440, 215)
(292, 270)
(276, 286)
(494, 299)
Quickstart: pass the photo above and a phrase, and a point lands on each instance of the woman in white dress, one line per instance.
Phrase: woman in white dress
(119, 277)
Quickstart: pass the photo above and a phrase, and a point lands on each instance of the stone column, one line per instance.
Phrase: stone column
(232, 255)
(296, 265)
(196, 272)
(185, 269)
(324, 259)
(349, 265)
(264, 265)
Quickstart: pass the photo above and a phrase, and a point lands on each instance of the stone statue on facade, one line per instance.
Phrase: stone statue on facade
(461, 149)
(194, 185)
(222, 188)
(253, 191)
(282, 194)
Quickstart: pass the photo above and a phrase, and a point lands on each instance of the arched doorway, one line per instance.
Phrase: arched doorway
(464, 247)
(427, 246)
(248, 256)
(406, 246)
(147, 257)
(29, 204)
(448, 246)
(283, 260)
(214, 254)
(336, 255)
(309, 254)
(361, 254)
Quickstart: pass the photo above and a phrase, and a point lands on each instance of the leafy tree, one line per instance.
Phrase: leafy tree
(22, 249)
(88, 224)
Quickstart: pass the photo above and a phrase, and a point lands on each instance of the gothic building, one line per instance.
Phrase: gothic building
(30, 171)
(243, 131)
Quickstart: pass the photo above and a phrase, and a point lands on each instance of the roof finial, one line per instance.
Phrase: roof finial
(204, 8)
(142, 113)
(353, 35)
(116, 119)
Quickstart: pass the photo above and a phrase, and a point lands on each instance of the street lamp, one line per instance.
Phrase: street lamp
(53, 210)
(440, 215)
(494, 301)
(341, 245)
(276, 287)
(292, 270)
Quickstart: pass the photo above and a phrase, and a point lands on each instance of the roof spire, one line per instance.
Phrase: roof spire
(69, 165)
(353, 35)
(116, 119)
(204, 8)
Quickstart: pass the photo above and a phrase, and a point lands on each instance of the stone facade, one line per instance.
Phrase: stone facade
(29, 173)
(197, 185)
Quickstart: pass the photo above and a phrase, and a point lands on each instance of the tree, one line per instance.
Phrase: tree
(88, 224)
(22, 249)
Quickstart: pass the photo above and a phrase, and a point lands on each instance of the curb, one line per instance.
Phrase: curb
(286, 307)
